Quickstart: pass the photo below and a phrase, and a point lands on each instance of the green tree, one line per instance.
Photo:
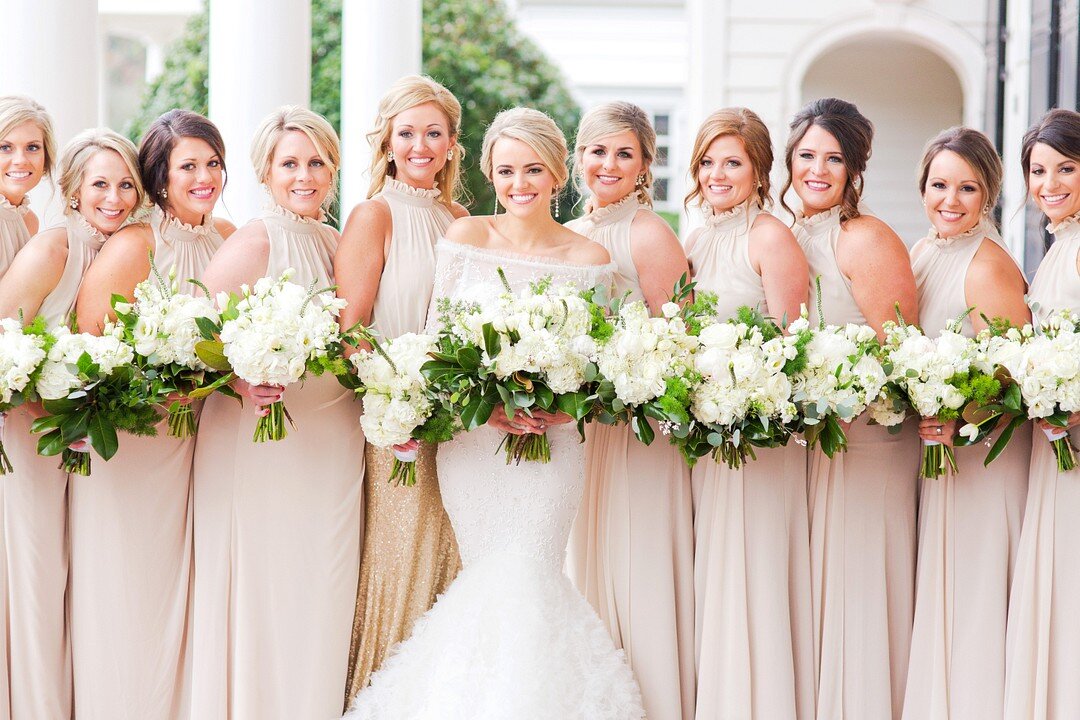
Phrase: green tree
(471, 46)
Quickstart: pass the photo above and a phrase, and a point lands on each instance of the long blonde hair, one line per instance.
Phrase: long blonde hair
(84, 146)
(610, 119)
(746, 125)
(317, 129)
(18, 109)
(408, 92)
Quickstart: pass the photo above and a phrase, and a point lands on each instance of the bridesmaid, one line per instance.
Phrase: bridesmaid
(969, 523)
(631, 551)
(385, 269)
(862, 502)
(277, 524)
(1043, 643)
(754, 637)
(99, 183)
(27, 153)
(132, 516)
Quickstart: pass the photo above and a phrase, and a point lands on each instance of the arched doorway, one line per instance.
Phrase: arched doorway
(910, 93)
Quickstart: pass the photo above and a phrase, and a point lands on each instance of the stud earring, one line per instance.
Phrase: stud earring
(390, 156)
(74, 203)
(164, 194)
(556, 201)
(450, 154)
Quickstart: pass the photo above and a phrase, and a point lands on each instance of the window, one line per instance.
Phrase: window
(660, 190)
(662, 169)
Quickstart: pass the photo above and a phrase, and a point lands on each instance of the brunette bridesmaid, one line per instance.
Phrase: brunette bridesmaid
(631, 550)
(27, 154)
(132, 516)
(100, 186)
(385, 269)
(277, 524)
(969, 522)
(862, 502)
(1042, 651)
(754, 633)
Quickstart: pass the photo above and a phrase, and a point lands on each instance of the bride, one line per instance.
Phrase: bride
(510, 638)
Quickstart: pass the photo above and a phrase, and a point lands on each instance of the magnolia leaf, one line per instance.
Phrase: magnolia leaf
(212, 353)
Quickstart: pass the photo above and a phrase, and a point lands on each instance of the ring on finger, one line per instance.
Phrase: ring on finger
(939, 431)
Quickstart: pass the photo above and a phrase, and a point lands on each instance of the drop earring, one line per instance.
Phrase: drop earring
(556, 201)
(74, 203)
(450, 154)
(496, 210)
(641, 180)
(390, 156)
(164, 194)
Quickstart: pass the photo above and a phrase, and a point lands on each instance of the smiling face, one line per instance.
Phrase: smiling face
(523, 184)
(106, 193)
(954, 196)
(818, 173)
(22, 161)
(299, 177)
(611, 167)
(420, 139)
(195, 180)
(726, 175)
(1054, 182)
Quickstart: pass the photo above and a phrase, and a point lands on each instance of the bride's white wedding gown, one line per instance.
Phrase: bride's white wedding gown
(511, 637)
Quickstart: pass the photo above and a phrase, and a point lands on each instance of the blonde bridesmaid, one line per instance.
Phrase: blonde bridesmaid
(862, 502)
(132, 516)
(754, 635)
(1042, 650)
(385, 269)
(631, 550)
(278, 524)
(27, 154)
(99, 184)
(969, 522)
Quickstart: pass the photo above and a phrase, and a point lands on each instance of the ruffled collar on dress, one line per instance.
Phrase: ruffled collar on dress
(615, 211)
(276, 209)
(172, 229)
(981, 229)
(403, 188)
(22, 208)
(1069, 225)
(818, 221)
(86, 232)
(731, 217)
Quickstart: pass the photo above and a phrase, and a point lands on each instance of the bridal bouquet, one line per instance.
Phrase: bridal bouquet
(1049, 380)
(90, 388)
(744, 397)
(398, 405)
(22, 352)
(274, 334)
(162, 326)
(938, 377)
(842, 376)
(529, 350)
(646, 363)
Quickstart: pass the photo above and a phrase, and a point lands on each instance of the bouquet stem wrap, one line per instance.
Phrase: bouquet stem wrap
(1063, 449)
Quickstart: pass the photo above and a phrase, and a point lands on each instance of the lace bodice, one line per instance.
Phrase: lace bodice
(464, 272)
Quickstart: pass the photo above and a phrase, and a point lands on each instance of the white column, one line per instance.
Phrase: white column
(1017, 110)
(260, 59)
(51, 54)
(380, 42)
(706, 89)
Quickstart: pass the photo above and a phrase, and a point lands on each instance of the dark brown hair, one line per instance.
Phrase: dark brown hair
(160, 139)
(853, 132)
(1060, 129)
(977, 150)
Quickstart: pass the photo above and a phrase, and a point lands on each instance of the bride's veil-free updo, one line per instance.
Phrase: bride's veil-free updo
(536, 130)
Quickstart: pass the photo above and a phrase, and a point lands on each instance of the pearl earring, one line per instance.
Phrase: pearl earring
(164, 194)
(74, 203)
(556, 201)
(496, 210)
(390, 156)
(641, 179)
(450, 154)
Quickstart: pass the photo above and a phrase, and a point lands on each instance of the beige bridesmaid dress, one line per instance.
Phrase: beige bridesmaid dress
(277, 533)
(131, 549)
(1042, 649)
(862, 531)
(754, 633)
(410, 554)
(969, 528)
(35, 666)
(631, 550)
(13, 232)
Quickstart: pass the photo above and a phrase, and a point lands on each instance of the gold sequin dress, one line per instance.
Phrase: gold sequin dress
(410, 554)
